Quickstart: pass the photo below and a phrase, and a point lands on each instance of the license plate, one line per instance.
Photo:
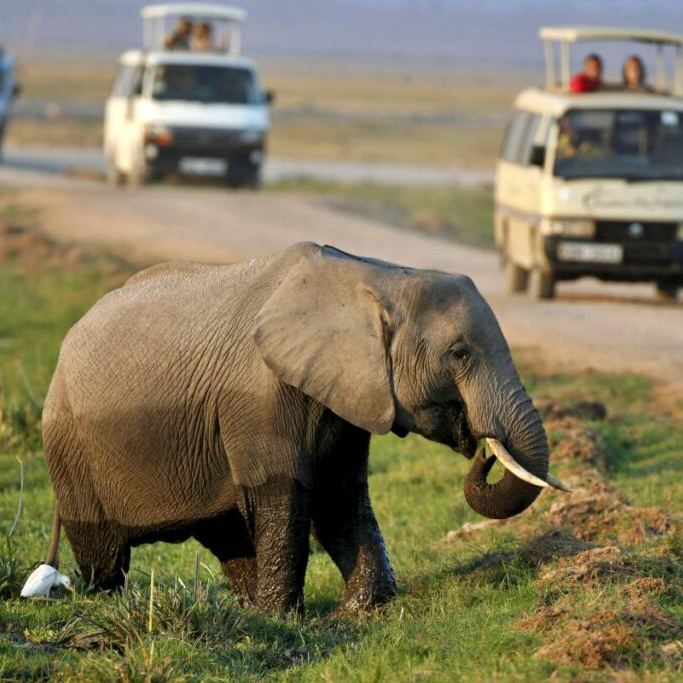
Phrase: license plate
(590, 253)
(199, 166)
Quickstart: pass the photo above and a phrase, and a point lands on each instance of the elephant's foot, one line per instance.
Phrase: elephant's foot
(277, 600)
(241, 575)
(372, 581)
(102, 557)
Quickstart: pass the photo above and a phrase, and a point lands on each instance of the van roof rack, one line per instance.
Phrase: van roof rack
(195, 10)
(154, 19)
(566, 35)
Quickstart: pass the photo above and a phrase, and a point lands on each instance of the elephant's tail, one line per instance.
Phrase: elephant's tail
(53, 550)
(45, 577)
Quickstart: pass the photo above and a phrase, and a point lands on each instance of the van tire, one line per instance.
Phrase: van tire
(114, 177)
(246, 177)
(516, 278)
(139, 175)
(541, 284)
(666, 291)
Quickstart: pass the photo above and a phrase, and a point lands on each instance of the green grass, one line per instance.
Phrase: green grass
(448, 623)
(460, 214)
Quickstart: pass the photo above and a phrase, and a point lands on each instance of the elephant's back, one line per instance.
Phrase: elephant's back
(166, 329)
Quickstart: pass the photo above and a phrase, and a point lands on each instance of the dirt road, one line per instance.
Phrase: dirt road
(590, 325)
(91, 161)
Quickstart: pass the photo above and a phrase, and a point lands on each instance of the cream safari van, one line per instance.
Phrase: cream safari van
(188, 103)
(591, 184)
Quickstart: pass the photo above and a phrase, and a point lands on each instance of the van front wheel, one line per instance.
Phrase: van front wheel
(667, 291)
(114, 177)
(516, 278)
(248, 176)
(541, 284)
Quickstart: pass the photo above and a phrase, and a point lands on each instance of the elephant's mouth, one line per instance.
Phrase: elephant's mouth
(445, 423)
(463, 440)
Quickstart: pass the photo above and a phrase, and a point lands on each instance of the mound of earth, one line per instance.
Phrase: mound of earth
(583, 410)
(573, 443)
(605, 638)
(599, 603)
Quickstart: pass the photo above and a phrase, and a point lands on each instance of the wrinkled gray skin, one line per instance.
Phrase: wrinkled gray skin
(235, 404)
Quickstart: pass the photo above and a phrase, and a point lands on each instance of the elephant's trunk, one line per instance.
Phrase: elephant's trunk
(526, 442)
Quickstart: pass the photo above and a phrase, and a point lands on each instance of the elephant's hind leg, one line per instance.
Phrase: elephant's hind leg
(101, 550)
(103, 556)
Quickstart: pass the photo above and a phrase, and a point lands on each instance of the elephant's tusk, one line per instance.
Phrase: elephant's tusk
(557, 483)
(507, 461)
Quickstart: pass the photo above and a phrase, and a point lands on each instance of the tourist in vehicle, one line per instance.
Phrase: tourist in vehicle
(179, 38)
(202, 38)
(590, 77)
(634, 75)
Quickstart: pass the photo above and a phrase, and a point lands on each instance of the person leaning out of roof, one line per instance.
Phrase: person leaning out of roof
(202, 38)
(180, 36)
(634, 75)
(590, 77)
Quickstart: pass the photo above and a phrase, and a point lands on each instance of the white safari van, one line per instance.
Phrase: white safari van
(592, 183)
(188, 103)
(9, 89)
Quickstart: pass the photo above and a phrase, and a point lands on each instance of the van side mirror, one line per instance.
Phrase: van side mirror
(16, 90)
(269, 97)
(537, 156)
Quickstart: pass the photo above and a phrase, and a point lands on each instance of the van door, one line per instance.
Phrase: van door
(518, 187)
(122, 136)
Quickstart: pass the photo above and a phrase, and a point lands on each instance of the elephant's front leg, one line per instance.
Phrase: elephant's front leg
(346, 526)
(280, 520)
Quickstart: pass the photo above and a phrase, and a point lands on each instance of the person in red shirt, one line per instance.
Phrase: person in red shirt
(590, 78)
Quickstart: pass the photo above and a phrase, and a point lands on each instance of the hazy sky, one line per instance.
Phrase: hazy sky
(445, 30)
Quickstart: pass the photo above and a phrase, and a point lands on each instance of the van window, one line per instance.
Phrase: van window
(528, 139)
(520, 137)
(513, 136)
(620, 143)
(128, 81)
(210, 84)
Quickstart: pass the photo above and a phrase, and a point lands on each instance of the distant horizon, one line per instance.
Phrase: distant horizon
(415, 31)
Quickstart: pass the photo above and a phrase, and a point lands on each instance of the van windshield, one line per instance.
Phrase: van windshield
(209, 84)
(621, 143)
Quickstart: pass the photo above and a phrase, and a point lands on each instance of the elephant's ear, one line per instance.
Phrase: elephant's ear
(322, 331)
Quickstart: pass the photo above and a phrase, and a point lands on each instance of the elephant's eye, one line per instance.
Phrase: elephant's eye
(459, 353)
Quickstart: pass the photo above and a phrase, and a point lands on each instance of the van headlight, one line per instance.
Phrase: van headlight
(568, 228)
(251, 137)
(162, 136)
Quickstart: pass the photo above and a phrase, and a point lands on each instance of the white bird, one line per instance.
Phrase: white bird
(42, 581)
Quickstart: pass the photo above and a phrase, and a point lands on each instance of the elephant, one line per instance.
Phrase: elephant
(235, 404)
